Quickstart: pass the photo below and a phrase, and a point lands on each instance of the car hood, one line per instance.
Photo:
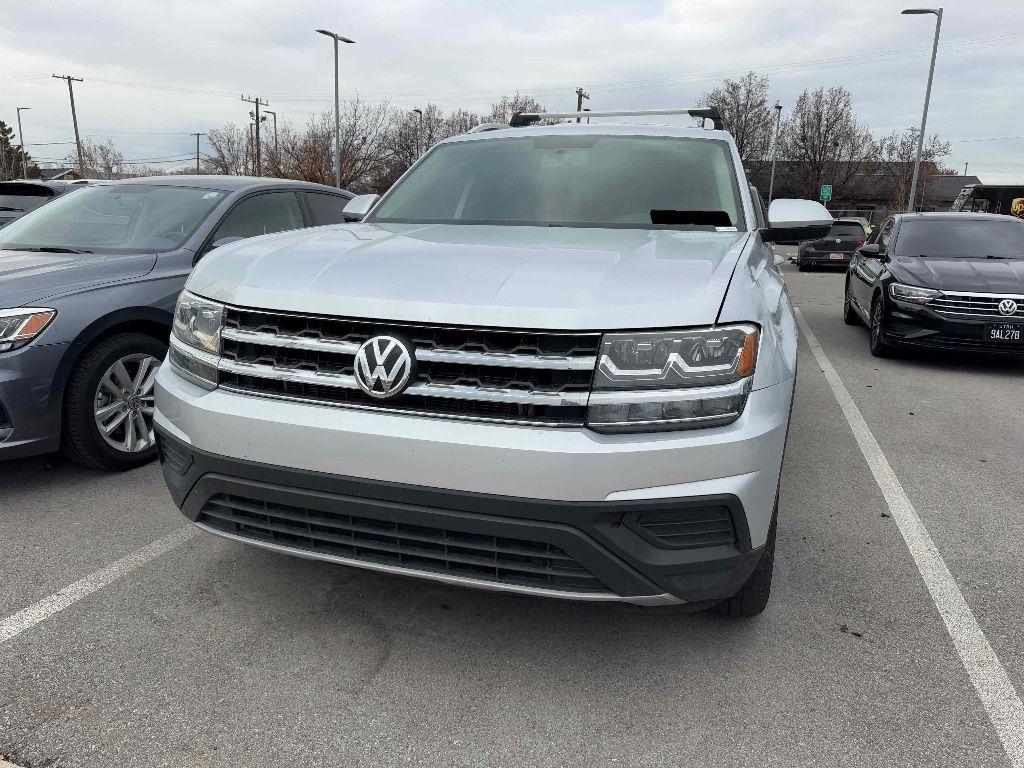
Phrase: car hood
(27, 277)
(969, 275)
(503, 276)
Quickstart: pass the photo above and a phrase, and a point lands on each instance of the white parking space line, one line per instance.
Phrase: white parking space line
(986, 672)
(27, 618)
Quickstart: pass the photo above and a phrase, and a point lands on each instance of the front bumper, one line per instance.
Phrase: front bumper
(911, 325)
(569, 507)
(29, 408)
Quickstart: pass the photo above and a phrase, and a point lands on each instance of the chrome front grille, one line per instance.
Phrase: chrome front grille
(954, 304)
(529, 377)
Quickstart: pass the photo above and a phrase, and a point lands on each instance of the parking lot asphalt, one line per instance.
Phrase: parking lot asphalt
(217, 654)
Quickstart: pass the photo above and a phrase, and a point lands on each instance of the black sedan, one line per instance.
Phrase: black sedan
(833, 250)
(946, 280)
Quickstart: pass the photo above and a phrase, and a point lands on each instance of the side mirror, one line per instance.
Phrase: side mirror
(779, 260)
(795, 220)
(359, 206)
(874, 251)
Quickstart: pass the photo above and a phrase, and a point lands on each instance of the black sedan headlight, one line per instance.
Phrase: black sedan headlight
(195, 339)
(665, 380)
(912, 294)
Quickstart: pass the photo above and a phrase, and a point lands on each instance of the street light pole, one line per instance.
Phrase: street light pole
(337, 106)
(419, 133)
(271, 112)
(775, 148)
(927, 97)
(21, 140)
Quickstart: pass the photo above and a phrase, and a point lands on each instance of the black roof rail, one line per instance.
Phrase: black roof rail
(523, 119)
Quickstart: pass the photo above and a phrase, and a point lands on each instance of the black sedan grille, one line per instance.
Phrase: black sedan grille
(498, 559)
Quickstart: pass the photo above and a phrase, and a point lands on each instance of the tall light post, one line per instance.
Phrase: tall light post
(927, 97)
(419, 133)
(337, 106)
(21, 140)
(775, 148)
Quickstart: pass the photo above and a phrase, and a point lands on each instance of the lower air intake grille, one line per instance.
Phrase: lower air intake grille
(688, 528)
(434, 550)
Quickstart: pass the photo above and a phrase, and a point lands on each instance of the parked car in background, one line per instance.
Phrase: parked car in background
(1006, 199)
(553, 360)
(945, 280)
(88, 285)
(20, 197)
(835, 249)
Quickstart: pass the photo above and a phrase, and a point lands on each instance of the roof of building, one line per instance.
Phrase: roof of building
(948, 187)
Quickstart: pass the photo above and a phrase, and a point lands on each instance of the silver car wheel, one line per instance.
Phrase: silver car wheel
(124, 403)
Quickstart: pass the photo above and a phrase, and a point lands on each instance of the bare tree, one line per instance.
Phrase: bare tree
(229, 150)
(826, 144)
(502, 111)
(746, 113)
(99, 160)
(896, 153)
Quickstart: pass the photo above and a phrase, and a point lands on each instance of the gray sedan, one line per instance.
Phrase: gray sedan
(88, 285)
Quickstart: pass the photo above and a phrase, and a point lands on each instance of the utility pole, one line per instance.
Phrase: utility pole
(74, 118)
(775, 148)
(258, 102)
(25, 165)
(580, 96)
(197, 135)
(276, 156)
(965, 164)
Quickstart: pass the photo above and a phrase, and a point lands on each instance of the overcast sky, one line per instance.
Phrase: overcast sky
(156, 71)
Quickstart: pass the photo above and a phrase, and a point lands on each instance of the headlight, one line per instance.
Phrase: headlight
(195, 339)
(698, 377)
(912, 294)
(19, 326)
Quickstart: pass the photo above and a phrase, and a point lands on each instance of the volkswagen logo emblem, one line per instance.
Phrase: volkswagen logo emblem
(1007, 307)
(383, 366)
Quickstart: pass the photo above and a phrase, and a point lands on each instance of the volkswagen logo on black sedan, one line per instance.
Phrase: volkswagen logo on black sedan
(1007, 307)
(383, 366)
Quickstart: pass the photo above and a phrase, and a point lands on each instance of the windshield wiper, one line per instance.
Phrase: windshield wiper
(6, 208)
(52, 249)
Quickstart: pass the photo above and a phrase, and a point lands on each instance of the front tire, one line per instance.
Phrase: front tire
(108, 403)
(877, 343)
(753, 596)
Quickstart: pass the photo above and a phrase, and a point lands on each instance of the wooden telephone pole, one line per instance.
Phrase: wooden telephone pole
(580, 96)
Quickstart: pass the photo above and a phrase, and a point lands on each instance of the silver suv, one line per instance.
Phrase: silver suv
(554, 359)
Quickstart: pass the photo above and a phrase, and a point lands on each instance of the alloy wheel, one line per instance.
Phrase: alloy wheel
(124, 401)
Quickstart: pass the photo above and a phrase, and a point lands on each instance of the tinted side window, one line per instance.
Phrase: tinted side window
(326, 209)
(261, 215)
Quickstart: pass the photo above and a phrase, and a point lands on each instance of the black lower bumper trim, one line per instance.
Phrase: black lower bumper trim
(599, 548)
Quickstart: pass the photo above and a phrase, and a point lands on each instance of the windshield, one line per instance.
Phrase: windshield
(967, 238)
(581, 181)
(120, 218)
(846, 229)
